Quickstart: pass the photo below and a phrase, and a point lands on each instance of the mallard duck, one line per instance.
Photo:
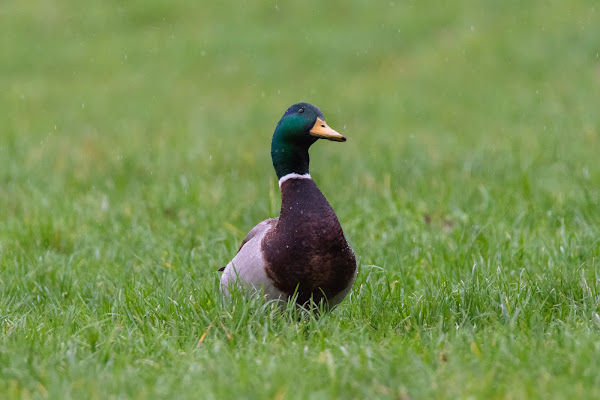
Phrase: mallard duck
(302, 252)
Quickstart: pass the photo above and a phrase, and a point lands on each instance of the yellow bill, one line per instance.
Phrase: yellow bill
(321, 130)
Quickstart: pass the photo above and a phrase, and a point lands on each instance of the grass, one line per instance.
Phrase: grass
(134, 157)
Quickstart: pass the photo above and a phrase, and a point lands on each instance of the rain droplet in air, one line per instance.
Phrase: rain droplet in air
(104, 204)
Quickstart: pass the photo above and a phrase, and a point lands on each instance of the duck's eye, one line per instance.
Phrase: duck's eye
(301, 110)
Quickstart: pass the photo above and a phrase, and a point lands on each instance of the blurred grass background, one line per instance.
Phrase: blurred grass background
(134, 157)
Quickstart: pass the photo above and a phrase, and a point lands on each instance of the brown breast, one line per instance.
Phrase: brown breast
(307, 249)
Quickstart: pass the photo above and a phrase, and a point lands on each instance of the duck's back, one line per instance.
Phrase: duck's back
(307, 249)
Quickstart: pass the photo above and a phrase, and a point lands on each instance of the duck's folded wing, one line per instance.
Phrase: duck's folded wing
(261, 227)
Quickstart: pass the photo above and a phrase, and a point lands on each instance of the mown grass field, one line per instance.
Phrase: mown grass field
(134, 157)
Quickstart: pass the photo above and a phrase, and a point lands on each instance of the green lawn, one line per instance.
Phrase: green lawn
(134, 157)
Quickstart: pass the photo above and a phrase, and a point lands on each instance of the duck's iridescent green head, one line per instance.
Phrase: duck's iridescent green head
(301, 126)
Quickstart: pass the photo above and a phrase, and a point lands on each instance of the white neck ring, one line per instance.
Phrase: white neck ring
(293, 175)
